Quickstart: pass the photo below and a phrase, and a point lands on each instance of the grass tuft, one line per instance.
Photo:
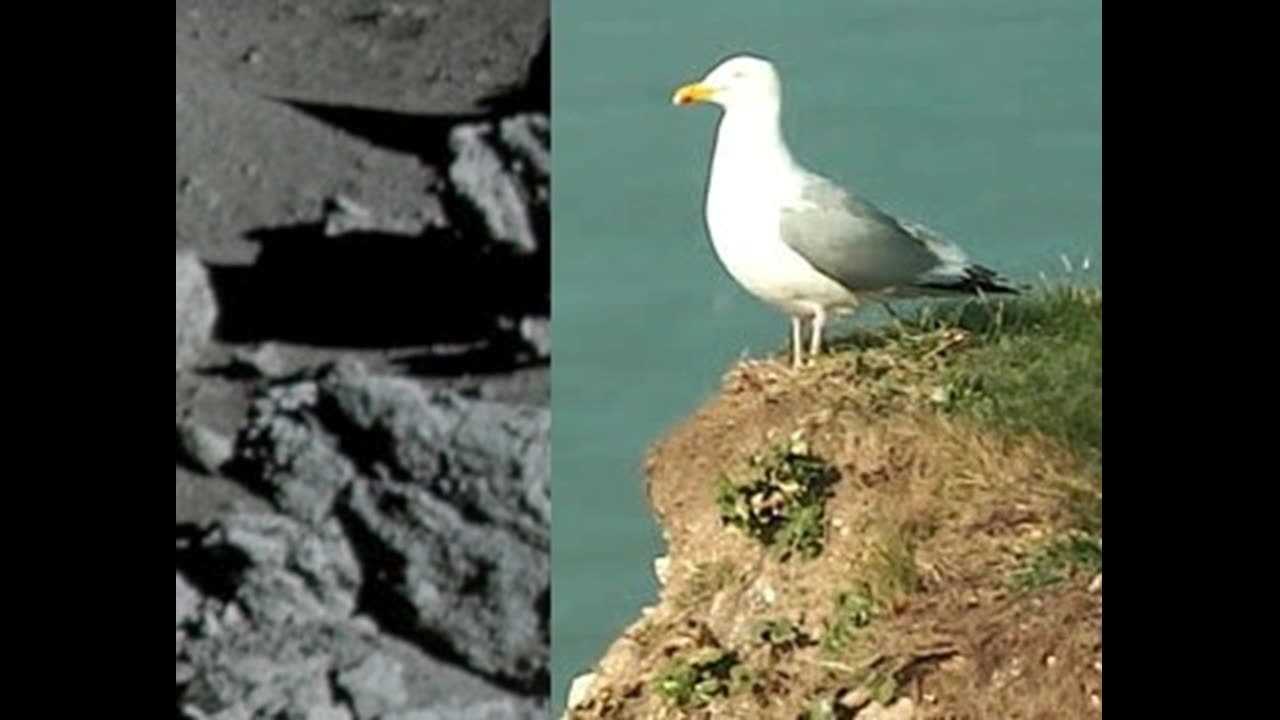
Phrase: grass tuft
(1059, 559)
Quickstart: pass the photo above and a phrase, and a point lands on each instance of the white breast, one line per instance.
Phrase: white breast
(744, 213)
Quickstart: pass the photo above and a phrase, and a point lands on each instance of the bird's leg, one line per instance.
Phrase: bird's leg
(815, 341)
(797, 341)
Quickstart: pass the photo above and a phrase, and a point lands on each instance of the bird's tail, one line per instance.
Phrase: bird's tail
(973, 280)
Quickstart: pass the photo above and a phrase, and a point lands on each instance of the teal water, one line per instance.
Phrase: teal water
(979, 118)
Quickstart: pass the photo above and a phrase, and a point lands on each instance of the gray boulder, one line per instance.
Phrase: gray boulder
(197, 310)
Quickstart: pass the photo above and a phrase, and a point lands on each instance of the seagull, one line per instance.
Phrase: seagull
(797, 240)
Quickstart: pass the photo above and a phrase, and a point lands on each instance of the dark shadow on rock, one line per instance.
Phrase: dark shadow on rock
(424, 136)
(213, 573)
(544, 614)
(374, 290)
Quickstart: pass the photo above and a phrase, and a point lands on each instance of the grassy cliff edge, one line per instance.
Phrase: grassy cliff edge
(912, 528)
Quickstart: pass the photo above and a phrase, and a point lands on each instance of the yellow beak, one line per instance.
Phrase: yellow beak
(692, 93)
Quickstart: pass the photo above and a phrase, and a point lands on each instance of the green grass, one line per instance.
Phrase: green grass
(1027, 364)
(1059, 559)
(891, 564)
(1031, 364)
(1035, 364)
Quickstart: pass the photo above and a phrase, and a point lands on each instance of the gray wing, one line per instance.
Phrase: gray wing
(864, 248)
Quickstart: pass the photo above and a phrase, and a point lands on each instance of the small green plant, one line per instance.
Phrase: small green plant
(780, 636)
(873, 685)
(821, 708)
(695, 681)
(883, 686)
(784, 502)
(743, 678)
(1058, 559)
(855, 609)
